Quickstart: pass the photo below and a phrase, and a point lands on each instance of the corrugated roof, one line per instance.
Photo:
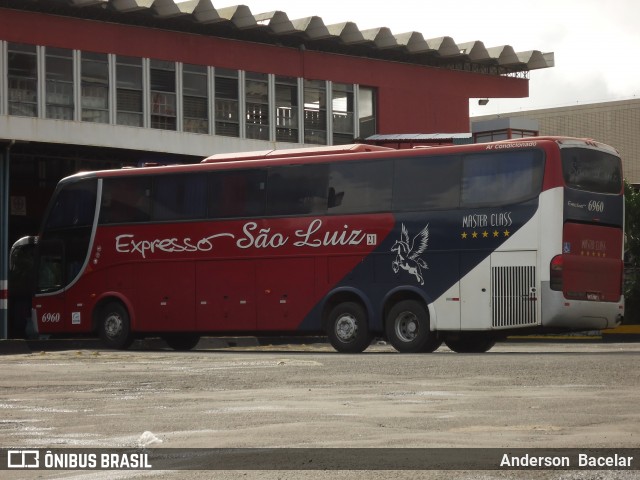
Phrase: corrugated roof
(201, 16)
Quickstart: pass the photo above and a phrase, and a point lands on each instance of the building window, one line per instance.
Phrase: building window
(195, 99)
(505, 134)
(226, 103)
(129, 102)
(163, 94)
(315, 112)
(286, 109)
(257, 105)
(367, 111)
(23, 80)
(342, 113)
(59, 83)
(95, 87)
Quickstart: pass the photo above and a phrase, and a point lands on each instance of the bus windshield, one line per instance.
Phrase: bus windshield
(66, 234)
(591, 170)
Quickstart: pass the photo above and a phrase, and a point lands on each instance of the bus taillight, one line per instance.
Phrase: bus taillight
(556, 273)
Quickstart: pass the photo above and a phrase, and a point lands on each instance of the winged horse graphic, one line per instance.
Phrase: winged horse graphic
(408, 254)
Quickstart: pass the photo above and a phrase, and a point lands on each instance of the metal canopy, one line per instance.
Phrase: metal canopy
(238, 22)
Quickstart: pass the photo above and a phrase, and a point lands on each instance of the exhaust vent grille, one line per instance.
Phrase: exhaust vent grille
(514, 296)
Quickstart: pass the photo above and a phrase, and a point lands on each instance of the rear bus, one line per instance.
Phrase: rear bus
(583, 238)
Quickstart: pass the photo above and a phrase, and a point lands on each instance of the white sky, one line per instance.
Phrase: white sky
(596, 42)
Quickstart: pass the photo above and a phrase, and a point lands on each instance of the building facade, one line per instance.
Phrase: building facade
(614, 123)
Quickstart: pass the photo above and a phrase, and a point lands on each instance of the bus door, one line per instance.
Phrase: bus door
(225, 296)
(475, 293)
(61, 254)
(501, 292)
(286, 291)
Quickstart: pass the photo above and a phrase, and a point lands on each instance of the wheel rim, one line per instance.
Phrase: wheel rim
(113, 325)
(407, 326)
(346, 328)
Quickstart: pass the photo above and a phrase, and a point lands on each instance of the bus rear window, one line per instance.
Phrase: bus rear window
(591, 170)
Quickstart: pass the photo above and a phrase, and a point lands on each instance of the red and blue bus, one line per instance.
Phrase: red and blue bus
(456, 244)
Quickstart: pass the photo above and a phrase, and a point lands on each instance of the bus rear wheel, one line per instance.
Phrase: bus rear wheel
(181, 342)
(348, 328)
(470, 343)
(115, 326)
(407, 328)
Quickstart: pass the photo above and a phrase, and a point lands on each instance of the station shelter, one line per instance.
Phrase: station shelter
(95, 84)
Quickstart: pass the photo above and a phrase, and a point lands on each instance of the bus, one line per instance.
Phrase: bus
(457, 244)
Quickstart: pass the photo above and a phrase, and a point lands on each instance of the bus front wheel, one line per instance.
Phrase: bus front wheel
(407, 328)
(348, 329)
(115, 326)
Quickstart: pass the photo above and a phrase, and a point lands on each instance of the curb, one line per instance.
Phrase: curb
(14, 347)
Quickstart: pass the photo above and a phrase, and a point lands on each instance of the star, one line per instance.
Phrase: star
(496, 233)
(464, 235)
(474, 234)
(485, 234)
(507, 233)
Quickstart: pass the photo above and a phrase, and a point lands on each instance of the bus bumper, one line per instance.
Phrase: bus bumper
(562, 313)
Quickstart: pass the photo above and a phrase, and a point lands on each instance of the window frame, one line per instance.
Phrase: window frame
(127, 86)
(59, 104)
(85, 58)
(16, 107)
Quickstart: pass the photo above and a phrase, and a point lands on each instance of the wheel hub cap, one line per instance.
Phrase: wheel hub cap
(406, 327)
(346, 328)
(113, 325)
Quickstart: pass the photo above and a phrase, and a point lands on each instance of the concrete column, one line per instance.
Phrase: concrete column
(4, 241)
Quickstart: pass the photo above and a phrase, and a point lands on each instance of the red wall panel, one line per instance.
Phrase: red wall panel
(411, 98)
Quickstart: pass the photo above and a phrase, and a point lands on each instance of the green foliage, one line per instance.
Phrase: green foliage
(632, 254)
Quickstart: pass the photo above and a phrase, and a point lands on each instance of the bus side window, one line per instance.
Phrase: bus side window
(237, 193)
(426, 183)
(297, 190)
(360, 187)
(179, 197)
(501, 178)
(126, 200)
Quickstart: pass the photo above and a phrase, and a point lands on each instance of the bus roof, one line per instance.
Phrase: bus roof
(354, 152)
(294, 152)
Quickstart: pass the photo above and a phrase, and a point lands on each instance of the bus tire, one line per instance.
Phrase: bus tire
(182, 342)
(115, 326)
(407, 328)
(348, 328)
(470, 343)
